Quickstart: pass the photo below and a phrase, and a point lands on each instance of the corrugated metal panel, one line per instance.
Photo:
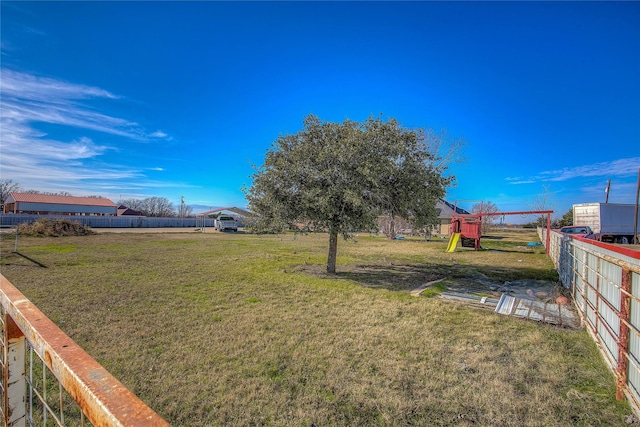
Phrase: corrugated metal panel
(537, 310)
(611, 277)
(105, 221)
(609, 342)
(634, 339)
(590, 311)
(599, 298)
(592, 268)
(605, 252)
(579, 256)
(48, 207)
(610, 317)
(590, 302)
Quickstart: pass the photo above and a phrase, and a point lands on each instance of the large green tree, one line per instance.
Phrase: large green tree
(567, 219)
(340, 177)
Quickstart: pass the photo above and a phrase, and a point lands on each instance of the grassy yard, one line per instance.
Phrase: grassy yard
(236, 329)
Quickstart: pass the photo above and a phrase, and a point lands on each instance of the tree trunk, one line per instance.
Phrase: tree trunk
(333, 250)
(392, 228)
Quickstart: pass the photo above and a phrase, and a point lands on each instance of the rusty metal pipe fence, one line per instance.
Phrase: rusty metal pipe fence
(48, 380)
(605, 283)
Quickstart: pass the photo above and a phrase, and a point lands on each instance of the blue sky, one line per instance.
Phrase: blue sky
(171, 99)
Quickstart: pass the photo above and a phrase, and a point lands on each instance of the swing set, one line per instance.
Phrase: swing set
(467, 228)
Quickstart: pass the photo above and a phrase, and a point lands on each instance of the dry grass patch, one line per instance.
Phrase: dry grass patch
(231, 329)
(54, 228)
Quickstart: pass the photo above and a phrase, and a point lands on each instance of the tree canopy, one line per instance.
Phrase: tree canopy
(7, 186)
(151, 206)
(340, 177)
(485, 208)
(567, 219)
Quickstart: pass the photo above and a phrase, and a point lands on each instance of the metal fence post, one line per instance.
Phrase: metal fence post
(14, 374)
(623, 339)
(548, 237)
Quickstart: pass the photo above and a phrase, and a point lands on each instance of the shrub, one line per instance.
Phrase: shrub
(54, 228)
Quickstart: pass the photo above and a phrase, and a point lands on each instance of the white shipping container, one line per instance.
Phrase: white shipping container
(609, 221)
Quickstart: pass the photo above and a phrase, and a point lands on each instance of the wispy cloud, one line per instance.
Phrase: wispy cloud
(617, 168)
(31, 157)
(158, 134)
(619, 192)
(27, 86)
(28, 99)
(520, 180)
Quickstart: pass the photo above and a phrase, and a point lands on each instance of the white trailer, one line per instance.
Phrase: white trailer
(611, 222)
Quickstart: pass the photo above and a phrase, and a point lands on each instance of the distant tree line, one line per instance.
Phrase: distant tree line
(485, 208)
(567, 219)
(157, 207)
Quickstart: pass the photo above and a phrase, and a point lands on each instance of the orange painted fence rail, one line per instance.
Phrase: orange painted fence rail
(28, 396)
(604, 280)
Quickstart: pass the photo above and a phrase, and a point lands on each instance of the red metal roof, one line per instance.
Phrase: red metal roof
(59, 200)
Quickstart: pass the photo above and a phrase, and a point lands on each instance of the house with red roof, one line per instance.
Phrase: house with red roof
(46, 204)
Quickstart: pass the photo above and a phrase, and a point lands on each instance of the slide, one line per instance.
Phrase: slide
(453, 242)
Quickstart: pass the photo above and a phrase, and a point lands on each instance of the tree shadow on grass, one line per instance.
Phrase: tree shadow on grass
(27, 258)
(393, 277)
(505, 250)
(376, 276)
(503, 273)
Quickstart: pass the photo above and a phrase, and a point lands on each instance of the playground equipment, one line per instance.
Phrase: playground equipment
(453, 242)
(467, 228)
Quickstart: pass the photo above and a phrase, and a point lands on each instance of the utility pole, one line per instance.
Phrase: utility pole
(635, 218)
(606, 200)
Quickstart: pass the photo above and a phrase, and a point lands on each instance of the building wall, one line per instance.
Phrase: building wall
(445, 226)
(31, 207)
